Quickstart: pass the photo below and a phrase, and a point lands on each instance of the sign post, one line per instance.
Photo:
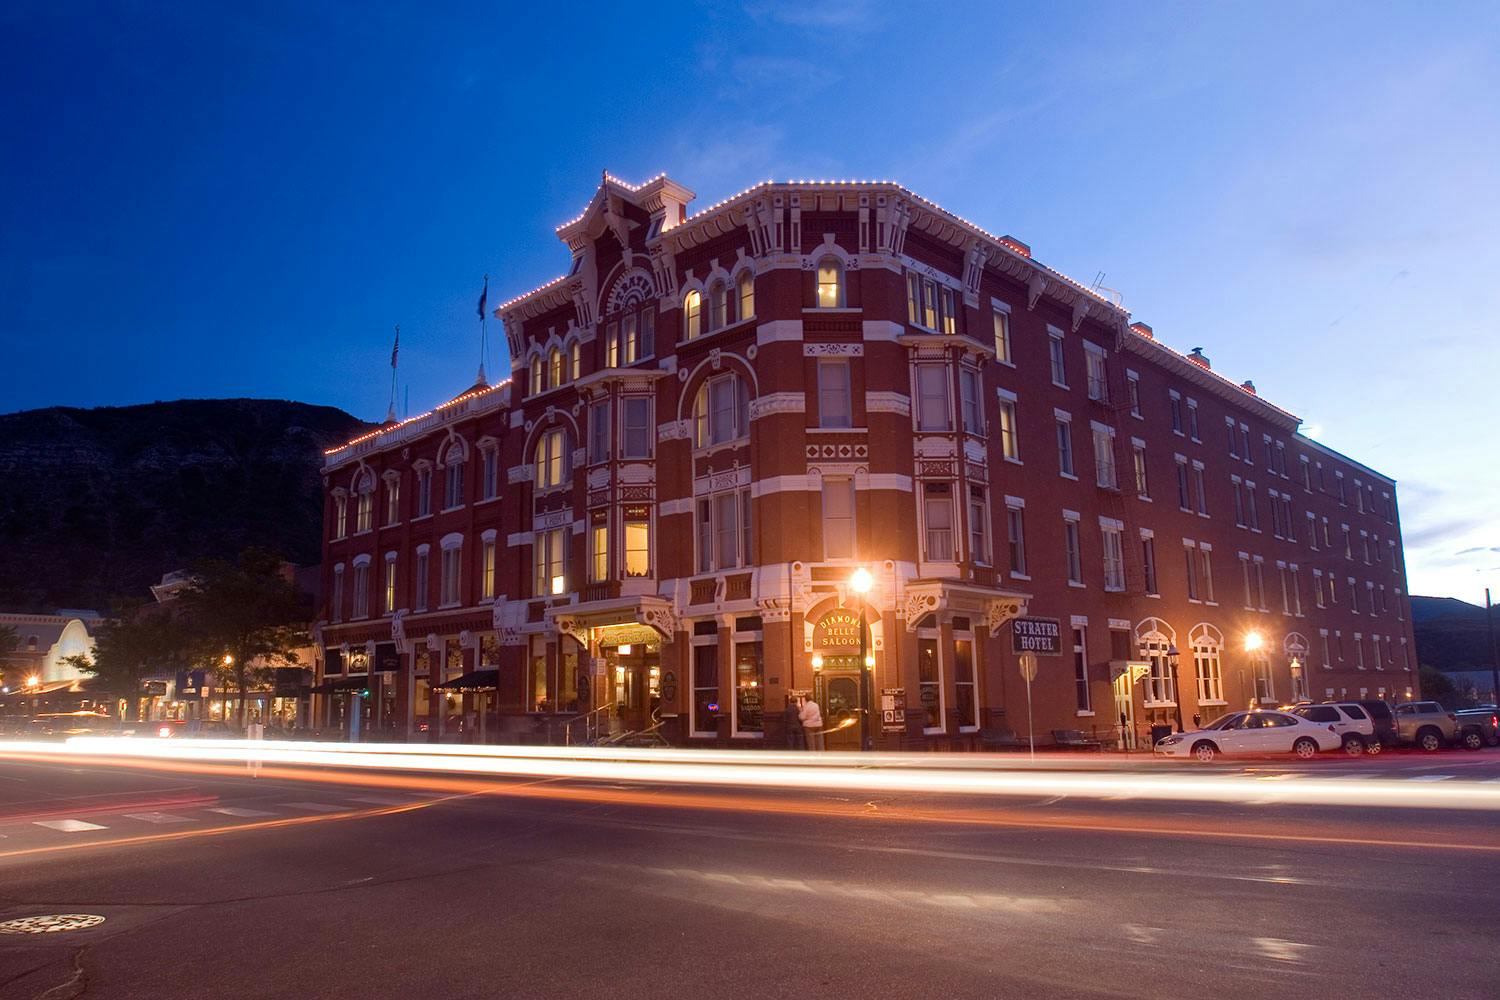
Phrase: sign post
(1028, 671)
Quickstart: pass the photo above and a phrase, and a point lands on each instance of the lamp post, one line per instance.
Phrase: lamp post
(1172, 656)
(32, 683)
(1253, 644)
(860, 581)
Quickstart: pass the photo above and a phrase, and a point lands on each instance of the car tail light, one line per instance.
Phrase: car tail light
(1332, 730)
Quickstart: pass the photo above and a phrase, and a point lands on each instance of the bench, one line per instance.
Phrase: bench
(1000, 739)
(1073, 739)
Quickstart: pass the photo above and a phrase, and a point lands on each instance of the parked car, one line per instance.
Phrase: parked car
(61, 725)
(1353, 724)
(1383, 717)
(1481, 724)
(1427, 725)
(1256, 732)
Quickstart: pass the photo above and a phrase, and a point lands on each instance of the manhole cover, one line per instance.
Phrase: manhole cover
(51, 923)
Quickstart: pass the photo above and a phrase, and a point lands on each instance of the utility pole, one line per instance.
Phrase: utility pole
(1489, 621)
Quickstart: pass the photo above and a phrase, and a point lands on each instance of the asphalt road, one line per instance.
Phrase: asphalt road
(323, 884)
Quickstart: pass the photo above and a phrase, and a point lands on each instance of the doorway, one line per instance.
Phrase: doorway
(633, 678)
(839, 700)
(1125, 709)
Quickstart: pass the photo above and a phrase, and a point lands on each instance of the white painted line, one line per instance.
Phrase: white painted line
(1280, 949)
(158, 817)
(381, 800)
(235, 811)
(69, 825)
(317, 807)
(1430, 777)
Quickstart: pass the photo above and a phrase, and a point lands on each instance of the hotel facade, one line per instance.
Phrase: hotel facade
(831, 439)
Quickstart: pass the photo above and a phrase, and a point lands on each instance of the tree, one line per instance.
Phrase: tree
(1438, 686)
(244, 618)
(128, 649)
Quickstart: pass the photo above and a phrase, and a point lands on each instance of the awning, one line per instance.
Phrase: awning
(485, 679)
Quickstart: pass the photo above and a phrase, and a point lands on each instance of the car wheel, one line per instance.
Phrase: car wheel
(1353, 746)
(1473, 739)
(1429, 740)
(1305, 748)
(1374, 747)
(1204, 751)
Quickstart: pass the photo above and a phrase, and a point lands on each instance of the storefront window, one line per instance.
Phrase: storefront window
(705, 689)
(749, 687)
(930, 676)
(964, 682)
(536, 681)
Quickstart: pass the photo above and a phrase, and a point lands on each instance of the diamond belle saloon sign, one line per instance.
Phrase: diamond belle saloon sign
(836, 638)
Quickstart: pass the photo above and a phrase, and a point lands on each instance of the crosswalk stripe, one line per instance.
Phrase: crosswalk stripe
(158, 817)
(69, 825)
(320, 807)
(236, 811)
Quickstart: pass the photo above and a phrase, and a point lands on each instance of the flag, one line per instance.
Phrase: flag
(395, 348)
(484, 295)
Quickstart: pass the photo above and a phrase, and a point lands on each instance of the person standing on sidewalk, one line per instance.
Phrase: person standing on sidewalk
(812, 723)
(791, 718)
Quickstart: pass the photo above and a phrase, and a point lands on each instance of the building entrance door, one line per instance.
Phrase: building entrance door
(633, 673)
(841, 716)
(1125, 709)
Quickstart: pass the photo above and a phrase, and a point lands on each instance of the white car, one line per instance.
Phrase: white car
(1252, 733)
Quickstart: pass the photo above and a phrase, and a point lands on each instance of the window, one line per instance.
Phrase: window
(1200, 489)
(599, 548)
(1239, 501)
(965, 700)
(361, 590)
(1098, 373)
(612, 345)
(930, 681)
(1317, 579)
(575, 361)
(453, 479)
(1153, 649)
(635, 438)
(599, 432)
(1254, 515)
(490, 461)
(388, 605)
(937, 517)
(1206, 666)
(1114, 555)
(1009, 443)
(749, 687)
(424, 491)
(1133, 391)
(420, 584)
(721, 411)
(1142, 487)
(340, 515)
(364, 509)
(1306, 474)
(337, 604)
(1104, 458)
(705, 689)
(929, 304)
(1206, 575)
(723, 530)
(838, 518)
(547, 556)
(1260, 666)
(1184, 493)
(452, 565)
(973, 407)
(555, 367)
(1002, 338)
(1055, 355)
(1072, 550)
(1081, 672)
(692, 315)
(1234, 446)
(1192, 415)
(538, 382)
(1174, 401)
(1259, 566)
(1192, 572)
(718, 305)
(932, 397)
(487, 571)
(638, 541)
(746, 285)
(835, 408)
(830, 283)
(1015, 518)
(551, 458)
(1148, 562)
(1065, 446)
(392, 500)
(979, 525)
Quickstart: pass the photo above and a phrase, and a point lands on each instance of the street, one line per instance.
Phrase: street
(323, 882)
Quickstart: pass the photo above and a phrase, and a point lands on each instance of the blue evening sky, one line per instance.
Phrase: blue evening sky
(214, 200)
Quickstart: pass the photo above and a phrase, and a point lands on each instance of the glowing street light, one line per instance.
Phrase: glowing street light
(860, 581)
(1253, 641)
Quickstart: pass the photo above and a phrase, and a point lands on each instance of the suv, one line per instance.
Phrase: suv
(1427, 725)
(1352, 723)
(1384, 720)
(1478, 727)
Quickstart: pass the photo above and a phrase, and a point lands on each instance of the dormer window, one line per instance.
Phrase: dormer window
(830, 283)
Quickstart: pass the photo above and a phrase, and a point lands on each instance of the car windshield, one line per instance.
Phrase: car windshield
(1223, 721)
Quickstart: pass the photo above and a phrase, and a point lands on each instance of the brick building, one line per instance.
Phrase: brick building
(714, 419)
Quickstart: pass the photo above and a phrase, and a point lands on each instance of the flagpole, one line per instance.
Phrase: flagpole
(390, 413)
(483, 330)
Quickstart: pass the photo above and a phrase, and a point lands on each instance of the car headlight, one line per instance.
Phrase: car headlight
(1168, 741)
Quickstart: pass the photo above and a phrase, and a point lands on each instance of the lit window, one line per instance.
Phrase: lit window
(692, 315)
(1009, 446)
(937, 510)
(1002, 337)
(547, 556)
(747, 294)
(599, 551)
(389, 604)
(930, 683)
(637, 546)
(392, 500)
(979, 526)
(830, 283)
(555, 367)
(973, 408)
(487, 576)
(551, 458)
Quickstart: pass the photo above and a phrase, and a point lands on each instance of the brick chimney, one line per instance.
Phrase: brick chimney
(1021, 248)
(1249, 387)
(1143, 330)
(1197, 357)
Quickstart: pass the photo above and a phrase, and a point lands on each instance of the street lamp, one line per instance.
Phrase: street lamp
(1172, 656)
(1253, 644)
(860, 581)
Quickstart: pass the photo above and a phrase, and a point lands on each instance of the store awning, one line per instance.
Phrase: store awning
(485, 679)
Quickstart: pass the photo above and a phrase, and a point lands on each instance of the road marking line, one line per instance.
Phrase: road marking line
(1430, 777)
(380, 800)
(69, 825)
(317, 807)
(1280, 949)
(236, 811)
(158, 817)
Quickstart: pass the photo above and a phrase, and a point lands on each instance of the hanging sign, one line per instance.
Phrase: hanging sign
(1036, 635)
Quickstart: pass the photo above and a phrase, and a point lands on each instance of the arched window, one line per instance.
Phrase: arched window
(453, 479)
(555, 367)
(1154, 639)
(575, 361)
(718, 305)
(536, 375)
(830, 283)
(365, 507)
(552, 458)
(1206, 642)
(746, 286)
(721, 411)
(692, 318)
